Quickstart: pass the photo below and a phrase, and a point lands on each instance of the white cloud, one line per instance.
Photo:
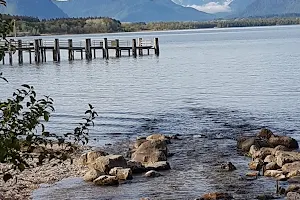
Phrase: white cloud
(213, 7)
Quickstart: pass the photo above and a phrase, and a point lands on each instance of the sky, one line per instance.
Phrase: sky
(213, 7)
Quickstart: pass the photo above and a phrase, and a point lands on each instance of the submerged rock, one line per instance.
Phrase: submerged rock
(228, 167)
(245, 143)
(121, 174)
(106, 181)
(106, 163)
(152, 174)
(216, 196)
(92, 174)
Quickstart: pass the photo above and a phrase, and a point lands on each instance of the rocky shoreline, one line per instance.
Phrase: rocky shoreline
(270, 155)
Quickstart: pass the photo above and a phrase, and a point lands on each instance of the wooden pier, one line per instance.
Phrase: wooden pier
(87, 48)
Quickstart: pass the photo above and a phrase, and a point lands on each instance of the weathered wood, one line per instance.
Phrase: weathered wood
(117, 48)
(140, 45)
(88, 53)
(30, 57)
(10, 53)
(81, 54)
(20, 52)
(37, 56)
(56, 52)
(156, 46)
(105, 47)
(134, 48)
(70, 50)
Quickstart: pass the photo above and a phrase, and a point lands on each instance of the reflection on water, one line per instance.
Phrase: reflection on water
(213, 83)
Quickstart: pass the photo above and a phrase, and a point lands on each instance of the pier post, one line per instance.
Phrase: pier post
(117, 48)
(37, 55)
(30, 57)
(20, 52)
(88, 53)
(81, 54)
(105, 47)
(140, 45)
(134, 48)
(41, 50)
(56, 51)
(10, 54)
(70, 49)
(156, 46)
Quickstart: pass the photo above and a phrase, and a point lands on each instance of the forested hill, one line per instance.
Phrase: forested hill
(132, 10)
(271, 7)
(44, 9)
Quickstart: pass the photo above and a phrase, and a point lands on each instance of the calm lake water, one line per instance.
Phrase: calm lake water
(215, 82)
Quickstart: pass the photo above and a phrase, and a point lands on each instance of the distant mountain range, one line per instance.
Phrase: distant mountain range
(132, 10)
(151, 10)
(45, 9)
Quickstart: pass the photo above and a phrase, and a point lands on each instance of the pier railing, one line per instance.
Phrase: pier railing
(88, 47)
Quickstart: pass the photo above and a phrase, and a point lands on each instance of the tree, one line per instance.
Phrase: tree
(22, 126)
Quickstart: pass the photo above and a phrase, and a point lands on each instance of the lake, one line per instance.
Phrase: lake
(219, 83)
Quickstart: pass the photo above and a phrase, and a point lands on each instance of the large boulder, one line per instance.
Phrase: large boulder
(139, 142)
(92, 174)
(293, 188)
(292, 196)
(151, 151)
(136, 167)
(256, 164)
(263, 153)
(216, 196)
(90, 157)
(253, 150)
(294, 173)
(156, 137)
(272, 166)
(286, 141)
(106, 180)
(106, 163)
(265, 133)
(283, 157)
(162, 165)
(245, 143)
(289, 167)
(121, 173)
(269, 159)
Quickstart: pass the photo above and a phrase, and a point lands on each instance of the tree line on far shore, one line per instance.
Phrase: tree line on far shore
(34, 26)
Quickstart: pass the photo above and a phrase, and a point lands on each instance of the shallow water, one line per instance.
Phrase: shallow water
(216, 83)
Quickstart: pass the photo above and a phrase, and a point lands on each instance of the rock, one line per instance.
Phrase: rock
(293, 173)
(256, 164)
(228, 166)
(253, 150)
(162, 165)
(273, 173)
(216, 196)
(145, 198)
(136, 167)
(269, 159)
(156, 137)
(263, 153)
(265, 133)
(280, 148)
(293, 188)
(106, 181)
(272, 166)
(106, 163)
(294, 180)
(90, 157)
(286, 141)
(138, 143)
(152, 174)
(92, 174)
(245, 143)
(252, 174)
(121, 174)
(289, 167)
(292, 196)
(151, 151)
(283, 157)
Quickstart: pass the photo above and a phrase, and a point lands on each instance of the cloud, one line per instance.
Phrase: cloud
(213, 7)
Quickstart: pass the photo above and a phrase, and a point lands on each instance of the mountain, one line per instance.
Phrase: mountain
(271, 7)
(238, 6)
(132, 10)
(43, 9)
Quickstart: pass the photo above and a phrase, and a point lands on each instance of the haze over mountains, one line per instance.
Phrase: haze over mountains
(151, 10)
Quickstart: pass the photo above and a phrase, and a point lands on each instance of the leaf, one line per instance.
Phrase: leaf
(91, 107)
(6, 177)
(26, 86)
(46, 116)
